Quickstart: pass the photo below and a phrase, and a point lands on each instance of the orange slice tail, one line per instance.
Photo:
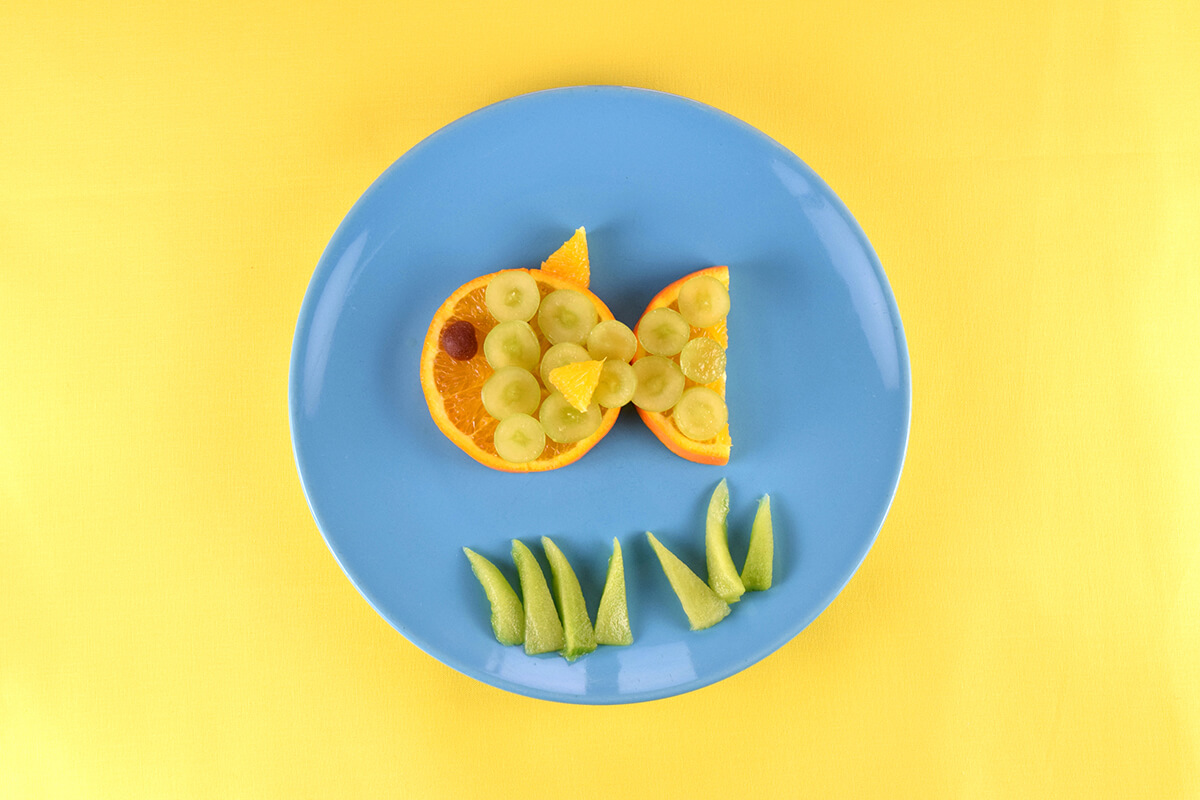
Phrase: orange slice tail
(715, 450)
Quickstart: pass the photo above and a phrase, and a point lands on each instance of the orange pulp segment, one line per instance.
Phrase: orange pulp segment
(571, 260)
(577, 382)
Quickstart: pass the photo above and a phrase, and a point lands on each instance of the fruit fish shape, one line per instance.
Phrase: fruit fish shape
(526, 370)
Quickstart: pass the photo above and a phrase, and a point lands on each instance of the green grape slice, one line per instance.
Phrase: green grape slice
(511, 390)
(617, 384)
(703, 301)
(659, 383)
(700, 414)
(512, 294)
(702, 360)
(663, 332)
(567, 316)
(612, 339)
(566, 424)
(512, 344)
(519, 439)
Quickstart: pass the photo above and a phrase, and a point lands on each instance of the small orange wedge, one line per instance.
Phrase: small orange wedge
(570, 262)
(577, 382)
(716, 449)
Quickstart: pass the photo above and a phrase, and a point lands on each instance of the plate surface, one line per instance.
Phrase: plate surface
(819, 388)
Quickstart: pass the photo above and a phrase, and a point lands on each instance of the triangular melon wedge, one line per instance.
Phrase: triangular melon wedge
(722, 574)
(508, 617)
(543, 631)
(757, 571)
(701, 604)
(578, 635)
(612, 619)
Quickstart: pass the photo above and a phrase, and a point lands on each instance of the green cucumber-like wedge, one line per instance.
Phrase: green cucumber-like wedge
(612, 619)
(543, 631)
(508, 618)
(578, 634)
(722, 574)
(756, 572)
(701, 604)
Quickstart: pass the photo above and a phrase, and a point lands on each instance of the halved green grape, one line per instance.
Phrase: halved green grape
(702, 360)
(511, 390)
(519, 439)
(564, 423)
(659, 383)
(664, 332)
(617, 384)
(700, 414)
(560, 355)
(512, 344)
(612, 339)
(703, 301)
(567, 316)
(512, 294)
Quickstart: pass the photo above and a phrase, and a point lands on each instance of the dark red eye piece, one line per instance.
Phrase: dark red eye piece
(458, 339)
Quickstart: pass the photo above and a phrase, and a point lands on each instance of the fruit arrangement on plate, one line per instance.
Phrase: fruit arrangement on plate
(526, 370)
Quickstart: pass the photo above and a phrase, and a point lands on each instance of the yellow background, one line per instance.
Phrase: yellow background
(171, 624)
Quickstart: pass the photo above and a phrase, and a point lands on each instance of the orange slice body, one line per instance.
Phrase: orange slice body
(715, 450)
(452, 386)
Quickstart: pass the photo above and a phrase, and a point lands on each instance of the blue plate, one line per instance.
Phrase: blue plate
(819, 388)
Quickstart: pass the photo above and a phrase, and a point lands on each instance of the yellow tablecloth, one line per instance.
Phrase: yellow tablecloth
(1028, 624)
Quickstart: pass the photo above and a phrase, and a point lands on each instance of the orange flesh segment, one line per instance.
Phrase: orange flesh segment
(570, 262)
(577, 382)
